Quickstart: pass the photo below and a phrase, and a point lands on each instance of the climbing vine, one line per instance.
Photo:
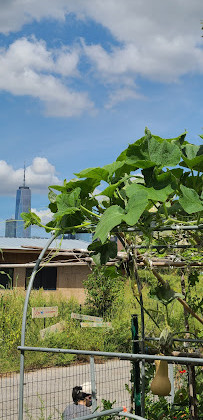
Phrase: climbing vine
(154, 182)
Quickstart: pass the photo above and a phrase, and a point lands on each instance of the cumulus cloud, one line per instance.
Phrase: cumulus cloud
(159, 41)
(39, 175)
(164, 61)
(27, 67)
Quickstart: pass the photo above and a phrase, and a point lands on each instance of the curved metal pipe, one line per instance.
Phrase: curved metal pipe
(24, 323)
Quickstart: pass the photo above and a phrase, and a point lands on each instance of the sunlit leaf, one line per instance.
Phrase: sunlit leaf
(196, 163)
(68, 203)
(52, 196)
(152, 193)
(190, 200)
(111, 218)
(113, 167)
(164, 153)
(30, 219)
(95, 173)
(135, 207)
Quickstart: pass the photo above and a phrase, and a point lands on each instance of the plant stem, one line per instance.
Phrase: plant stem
(90, 212)
(167, 316)
(165, 210)
(161, 280)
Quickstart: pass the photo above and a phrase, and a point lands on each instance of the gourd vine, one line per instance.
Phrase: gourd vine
(154, 182)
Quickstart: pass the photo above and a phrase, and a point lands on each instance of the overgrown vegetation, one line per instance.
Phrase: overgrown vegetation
(154, 183)
(103, 287)
(119, 313)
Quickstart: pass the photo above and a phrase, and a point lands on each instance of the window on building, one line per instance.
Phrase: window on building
(6, 278)
(45, 278)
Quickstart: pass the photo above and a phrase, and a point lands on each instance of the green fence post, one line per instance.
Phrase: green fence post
(136, 367)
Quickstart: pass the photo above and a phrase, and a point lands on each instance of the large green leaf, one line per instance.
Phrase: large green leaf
(137, 155)
(101, 253)
(95, 173)
(142, 164)
(164, 294)
(125, 169)
(132, 149)
(87, 186)
(110, 218)
(109, 191)
(68, 203)
(60, 188)
(194, 182)
(195, 163)
(160, 181)
(174, 140)
(152, 193)
(50, 225)
(192, 157)
(113, 167)
(30, 218)
(53, 207)
(152, 150)
(135, 207)
(177, 172)
(190, 151)
(138, 150)
(164, 153)
(68, 221)
(52, 196)
(190, 200)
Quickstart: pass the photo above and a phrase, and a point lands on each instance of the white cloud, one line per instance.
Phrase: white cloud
(39, 175)
(128, 20)
(45, 215)
(120, 95)
(28, 68)
(163, 61)
(157, 40)
(14, 14)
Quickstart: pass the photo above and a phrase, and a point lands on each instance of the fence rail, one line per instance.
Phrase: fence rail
(128, 356)
(47, 391)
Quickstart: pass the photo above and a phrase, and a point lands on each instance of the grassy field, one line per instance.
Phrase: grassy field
(73, 336)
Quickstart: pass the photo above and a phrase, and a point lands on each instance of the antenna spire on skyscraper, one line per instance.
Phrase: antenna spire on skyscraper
(24, 176)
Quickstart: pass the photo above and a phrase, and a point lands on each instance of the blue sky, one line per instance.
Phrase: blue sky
(80, 79)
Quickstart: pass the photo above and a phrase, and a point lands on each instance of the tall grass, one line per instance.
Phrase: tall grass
(73, 336)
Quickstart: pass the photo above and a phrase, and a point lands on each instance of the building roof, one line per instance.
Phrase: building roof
(30, 243)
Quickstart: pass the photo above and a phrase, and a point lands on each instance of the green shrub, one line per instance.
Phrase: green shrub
(102, 288)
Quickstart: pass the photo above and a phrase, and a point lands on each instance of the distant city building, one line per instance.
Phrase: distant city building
(23, 204)
(87, 237)
(10, 228)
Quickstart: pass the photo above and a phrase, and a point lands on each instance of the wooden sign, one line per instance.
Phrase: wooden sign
(52, 328)
(45, 312)
(96, 324)
(86, 317)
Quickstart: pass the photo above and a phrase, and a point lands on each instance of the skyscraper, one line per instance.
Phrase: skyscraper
(23, 204)
(10, 228)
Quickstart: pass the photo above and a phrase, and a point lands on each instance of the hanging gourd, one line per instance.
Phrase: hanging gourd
(161, 385)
